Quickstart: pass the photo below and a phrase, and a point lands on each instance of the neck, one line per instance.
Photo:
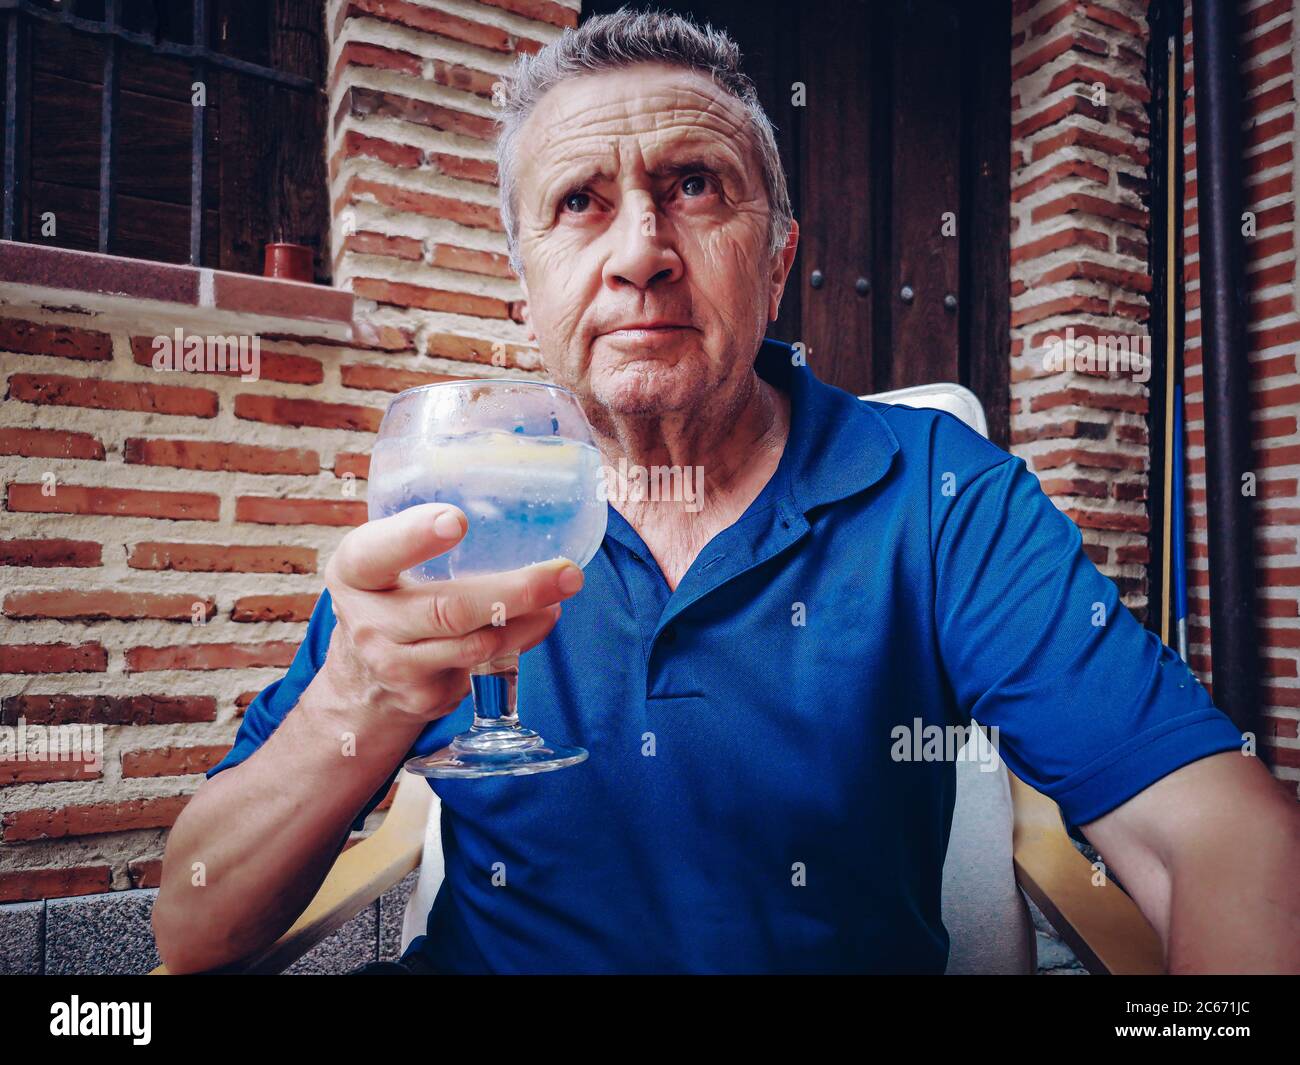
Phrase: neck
(719, 447)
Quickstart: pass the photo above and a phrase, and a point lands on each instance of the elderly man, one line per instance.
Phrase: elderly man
(738, 669)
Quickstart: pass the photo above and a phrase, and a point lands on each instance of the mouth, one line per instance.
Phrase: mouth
(645, 331)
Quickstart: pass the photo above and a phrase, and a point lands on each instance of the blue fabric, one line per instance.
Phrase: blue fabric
(740, 810)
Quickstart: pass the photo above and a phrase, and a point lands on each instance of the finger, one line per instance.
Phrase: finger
(372, 556)
(482, 645)
(447, 609)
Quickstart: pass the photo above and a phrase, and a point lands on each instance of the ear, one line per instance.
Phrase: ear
(782, 263)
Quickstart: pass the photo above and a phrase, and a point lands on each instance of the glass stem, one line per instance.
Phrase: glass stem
(496, 688)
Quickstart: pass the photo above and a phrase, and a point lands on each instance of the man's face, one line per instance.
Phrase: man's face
(643, 227)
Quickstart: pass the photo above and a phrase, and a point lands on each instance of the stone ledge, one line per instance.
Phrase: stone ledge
(64, 279)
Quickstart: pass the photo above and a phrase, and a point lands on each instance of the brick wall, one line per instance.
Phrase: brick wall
(417, 235)
(162, 540)
(1079, 158)
(1269, 31)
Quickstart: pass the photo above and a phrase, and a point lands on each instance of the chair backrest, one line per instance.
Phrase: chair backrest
(987, 920)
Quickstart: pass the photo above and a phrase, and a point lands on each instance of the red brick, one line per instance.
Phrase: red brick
(1048, 116)
(172, 761)
(1284, 727)
(455, 76)
(276, 298)
(46, 772)
(210, 656)
(49, 444)
(278, 410)
(1087, 75)
(103, 606)
(61, 341)
(430, 299)
(364, 103)
(1136, 554)
(386, 378)
(381, 337)
(357, 145)
(1253, 79)
(539, 11)
(365, 243)
(145, 872)
(1113, 520)
(53, 658)
(272, 365)
(347, 462)
(273, 608)
(361, 54)
(108, 709)
(92, 819)
(1087, 458)
(1084, 42)
(1071, 429)
(222, 558)
(1073, 486)
(1066, 169)
(50, 553)
(474, 349)
(1078, 202)
(1072, 304)
(1065, 238)
(1083, 398)
(458, 166)
(1282, 696)
(429, 204)
(113, 395)
(470, 260)
(1087, 270)
(1078, 137)
(31, 885)
(265, 510)
(210, 455)
(115, 502)
(430, 20)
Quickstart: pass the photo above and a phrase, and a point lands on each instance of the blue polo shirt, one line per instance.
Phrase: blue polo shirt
(745, 806)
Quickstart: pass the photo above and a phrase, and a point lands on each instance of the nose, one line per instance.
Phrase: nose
(644, 254)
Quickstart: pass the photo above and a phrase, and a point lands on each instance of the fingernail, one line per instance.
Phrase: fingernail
(570, 579)
(447, 524)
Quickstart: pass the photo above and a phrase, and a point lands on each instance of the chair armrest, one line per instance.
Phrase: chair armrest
(1102, 925)
(358, 876)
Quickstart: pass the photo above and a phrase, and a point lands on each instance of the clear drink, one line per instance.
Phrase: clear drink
(528, 498)
(518, 458)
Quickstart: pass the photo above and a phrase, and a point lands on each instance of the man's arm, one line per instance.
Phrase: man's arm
(1095, 712)
(1211, 855)
(267, 829)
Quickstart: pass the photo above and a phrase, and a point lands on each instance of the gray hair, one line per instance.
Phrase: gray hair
(610, 42)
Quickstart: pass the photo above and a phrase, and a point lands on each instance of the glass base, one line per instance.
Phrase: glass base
(496, 752)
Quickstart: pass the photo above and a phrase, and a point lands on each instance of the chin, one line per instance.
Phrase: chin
(647, 387)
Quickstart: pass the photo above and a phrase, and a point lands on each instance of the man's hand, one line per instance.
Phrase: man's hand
(264, 833)
(1211, 855)
(406, 649)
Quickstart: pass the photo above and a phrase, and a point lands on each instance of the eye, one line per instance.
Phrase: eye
(577, 202)
(695, 185)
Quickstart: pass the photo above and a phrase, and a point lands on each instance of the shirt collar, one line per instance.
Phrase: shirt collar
(837, 445)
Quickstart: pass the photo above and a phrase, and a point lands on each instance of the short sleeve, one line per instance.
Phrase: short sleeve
(274, 702)
(1090, 707)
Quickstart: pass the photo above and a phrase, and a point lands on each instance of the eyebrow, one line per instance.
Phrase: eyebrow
(693, 165)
